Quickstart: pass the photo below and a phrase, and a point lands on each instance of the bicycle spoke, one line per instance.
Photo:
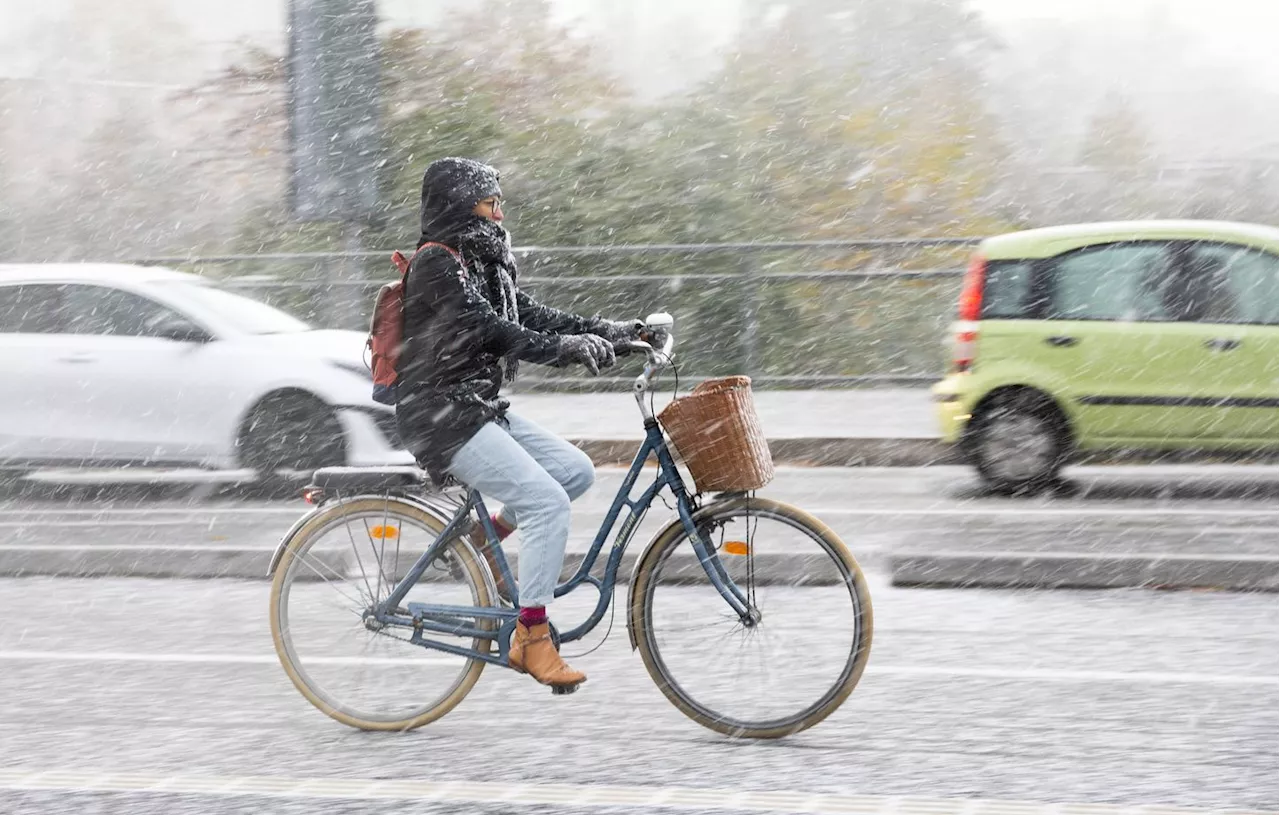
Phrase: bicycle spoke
(773, 673)
(359, 603)
(338, 656)
(364, 575)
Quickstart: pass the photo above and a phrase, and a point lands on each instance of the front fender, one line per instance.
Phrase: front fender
(656, 544)
(435, 506)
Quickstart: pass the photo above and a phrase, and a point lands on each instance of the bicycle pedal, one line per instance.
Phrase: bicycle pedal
(563, 690)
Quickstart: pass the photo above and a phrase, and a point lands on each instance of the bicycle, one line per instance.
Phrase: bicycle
(445, 600)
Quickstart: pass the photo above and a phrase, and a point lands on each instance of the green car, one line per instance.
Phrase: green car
(1143, 335)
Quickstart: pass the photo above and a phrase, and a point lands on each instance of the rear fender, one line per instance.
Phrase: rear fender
(439, 508)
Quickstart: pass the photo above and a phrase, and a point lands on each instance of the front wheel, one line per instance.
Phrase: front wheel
(797, 654)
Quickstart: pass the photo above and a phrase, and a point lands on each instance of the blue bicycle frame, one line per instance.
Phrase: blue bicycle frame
(495, 623)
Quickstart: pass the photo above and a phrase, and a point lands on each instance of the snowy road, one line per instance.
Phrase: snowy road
(1221, 510)
(130, 695)
(118, 689)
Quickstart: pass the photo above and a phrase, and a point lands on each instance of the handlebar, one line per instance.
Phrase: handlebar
(657, 360)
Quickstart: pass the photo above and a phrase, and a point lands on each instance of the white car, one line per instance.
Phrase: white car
(103, 363)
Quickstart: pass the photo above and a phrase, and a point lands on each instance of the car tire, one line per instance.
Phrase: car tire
(288, 436)
(1018, 442)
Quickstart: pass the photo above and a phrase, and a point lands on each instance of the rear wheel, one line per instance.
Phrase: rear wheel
(801, 649)
(291, 434)
(335, 569)
(1019, 441)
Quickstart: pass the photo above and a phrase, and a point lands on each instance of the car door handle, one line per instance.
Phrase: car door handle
(78, 359)
(1061, 341)
(1221, 344)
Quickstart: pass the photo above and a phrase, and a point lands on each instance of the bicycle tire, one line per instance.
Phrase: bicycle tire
(309, 533)
(642, 624)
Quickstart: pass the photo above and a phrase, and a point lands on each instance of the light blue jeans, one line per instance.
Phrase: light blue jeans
(535, 474)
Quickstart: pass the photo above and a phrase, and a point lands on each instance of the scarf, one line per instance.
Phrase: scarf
(487, 247)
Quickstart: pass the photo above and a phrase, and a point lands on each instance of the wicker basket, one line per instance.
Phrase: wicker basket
(716, 432)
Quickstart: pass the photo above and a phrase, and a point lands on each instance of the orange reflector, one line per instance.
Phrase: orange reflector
(381, 532)
(735, 547)
(313, 496)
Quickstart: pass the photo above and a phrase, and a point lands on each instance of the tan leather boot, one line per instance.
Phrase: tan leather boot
(481, 543)
(533, 652)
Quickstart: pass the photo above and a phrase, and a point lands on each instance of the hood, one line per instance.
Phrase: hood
(451, 187)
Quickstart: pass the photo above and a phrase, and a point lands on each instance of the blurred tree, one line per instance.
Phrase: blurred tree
(1116, 137)
(857, 120)
(1118, 164)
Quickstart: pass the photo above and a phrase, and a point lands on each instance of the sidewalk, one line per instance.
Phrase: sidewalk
(884, 413)
(838, 428)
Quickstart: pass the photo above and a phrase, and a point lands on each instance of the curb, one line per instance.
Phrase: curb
(1039, 570)
(200, 563)
(189, 562)
(1084, 570)
(920, 451)
(809, 452)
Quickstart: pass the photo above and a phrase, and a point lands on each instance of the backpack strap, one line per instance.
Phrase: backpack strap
(402, 263)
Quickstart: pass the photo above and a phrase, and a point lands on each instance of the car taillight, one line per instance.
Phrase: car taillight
(971, 292)
(970, 312)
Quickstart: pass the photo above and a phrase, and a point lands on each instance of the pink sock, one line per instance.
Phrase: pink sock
(500, 526)
(533, 615)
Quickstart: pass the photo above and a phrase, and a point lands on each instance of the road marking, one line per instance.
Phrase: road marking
(37, 524)
(1055, 675)
(117, 476)
(131, 547)
(293, 510)
(209, 517)
(645, 798)
(941, 671)
(229, 659)
(1102, 512)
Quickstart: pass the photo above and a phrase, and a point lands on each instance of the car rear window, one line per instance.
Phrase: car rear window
(1006, 292)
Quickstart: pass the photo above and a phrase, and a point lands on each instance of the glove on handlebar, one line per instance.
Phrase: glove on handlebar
(589, 350)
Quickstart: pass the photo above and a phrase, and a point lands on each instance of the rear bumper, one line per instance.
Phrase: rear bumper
(953, 403)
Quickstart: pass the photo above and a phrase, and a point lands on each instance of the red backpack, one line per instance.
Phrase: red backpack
(386, 328)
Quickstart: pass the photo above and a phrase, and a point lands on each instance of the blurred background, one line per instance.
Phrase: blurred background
(159, 131)
(802, 184)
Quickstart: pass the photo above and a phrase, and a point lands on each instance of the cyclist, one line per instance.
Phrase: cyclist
(467, 327)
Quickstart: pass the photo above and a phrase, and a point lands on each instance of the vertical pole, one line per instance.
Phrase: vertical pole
(335, 134)
(747, 338)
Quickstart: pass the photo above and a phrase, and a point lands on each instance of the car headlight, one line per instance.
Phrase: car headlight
(351, 367)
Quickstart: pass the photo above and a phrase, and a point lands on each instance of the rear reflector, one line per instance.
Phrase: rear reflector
(965, 346)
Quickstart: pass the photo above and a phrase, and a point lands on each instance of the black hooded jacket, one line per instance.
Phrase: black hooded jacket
(466, 326)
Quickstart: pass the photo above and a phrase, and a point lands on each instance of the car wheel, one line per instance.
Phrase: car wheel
(1019, 442)
(289, 435)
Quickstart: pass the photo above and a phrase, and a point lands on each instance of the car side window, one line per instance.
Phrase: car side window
(106, 311)
(1222, 283)
(1117, 282)
(29, 308)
